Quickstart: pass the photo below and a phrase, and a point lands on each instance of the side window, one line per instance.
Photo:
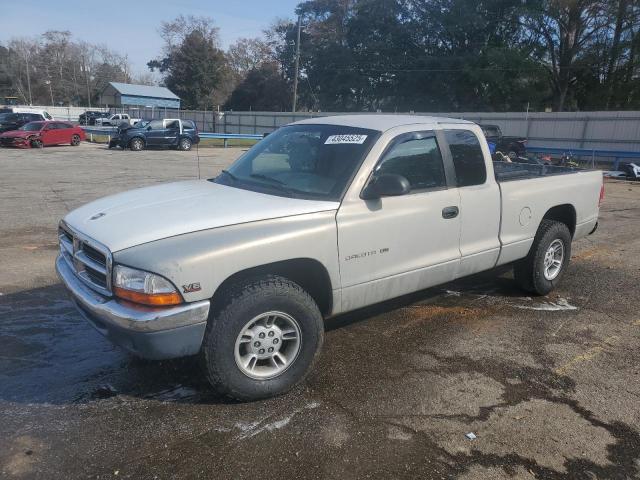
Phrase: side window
(156, 125)
(418, 160)
(468, 159)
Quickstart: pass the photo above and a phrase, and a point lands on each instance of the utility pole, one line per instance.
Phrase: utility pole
(297, 67)
(26, 59)
(86, 77)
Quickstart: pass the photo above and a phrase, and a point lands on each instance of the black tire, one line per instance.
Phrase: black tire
(136, 144)
(75, 140)
(529, 272)
(185, 144)
(243, 302)
(36, 143)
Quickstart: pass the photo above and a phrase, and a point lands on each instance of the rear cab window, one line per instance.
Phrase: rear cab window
(468, 159)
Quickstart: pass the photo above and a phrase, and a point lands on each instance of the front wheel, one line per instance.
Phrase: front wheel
(262, 340)
(136, 144)
(36, 143)
(184, 144)
(542, 269)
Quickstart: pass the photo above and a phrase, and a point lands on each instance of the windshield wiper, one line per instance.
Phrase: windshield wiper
(231, 175)
(265, 177)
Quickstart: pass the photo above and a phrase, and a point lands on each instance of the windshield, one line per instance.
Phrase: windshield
(32, 127)
(9, 117)
(302, 161)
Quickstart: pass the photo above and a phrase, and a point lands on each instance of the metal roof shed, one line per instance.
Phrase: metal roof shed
(125, 94)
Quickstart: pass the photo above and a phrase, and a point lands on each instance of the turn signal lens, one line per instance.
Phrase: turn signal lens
(159, 299)
(144, 287)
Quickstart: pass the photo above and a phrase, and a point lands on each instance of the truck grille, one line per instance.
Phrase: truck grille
(90, 261)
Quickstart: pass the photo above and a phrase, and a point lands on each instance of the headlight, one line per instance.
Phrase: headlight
(144, 287)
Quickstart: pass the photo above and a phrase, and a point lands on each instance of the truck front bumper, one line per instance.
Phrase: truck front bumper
(148, 332)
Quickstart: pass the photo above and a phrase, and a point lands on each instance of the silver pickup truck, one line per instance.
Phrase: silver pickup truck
(321, 217)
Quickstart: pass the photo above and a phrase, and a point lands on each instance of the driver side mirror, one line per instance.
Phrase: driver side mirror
(386, 185)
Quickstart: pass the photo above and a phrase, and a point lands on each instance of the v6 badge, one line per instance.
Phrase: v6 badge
(192, 287)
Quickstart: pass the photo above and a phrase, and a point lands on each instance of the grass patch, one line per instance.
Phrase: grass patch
(232, 142)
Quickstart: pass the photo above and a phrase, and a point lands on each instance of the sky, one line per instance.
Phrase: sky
(131, 26)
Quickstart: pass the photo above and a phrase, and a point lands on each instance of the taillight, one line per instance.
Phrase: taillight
(601, 195)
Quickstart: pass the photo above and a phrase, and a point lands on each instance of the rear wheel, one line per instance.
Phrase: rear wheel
(263, 340)
(136, 144)
(184, 144)
(75, 140)
(541, 270)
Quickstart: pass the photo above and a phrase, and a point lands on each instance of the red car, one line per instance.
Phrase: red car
(40, 134)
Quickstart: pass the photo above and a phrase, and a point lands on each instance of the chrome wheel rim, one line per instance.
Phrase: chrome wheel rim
(267, 345)
(185, 144)
(553, 259)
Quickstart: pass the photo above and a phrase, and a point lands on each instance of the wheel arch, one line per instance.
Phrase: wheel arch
(309, 273)
(565, 213)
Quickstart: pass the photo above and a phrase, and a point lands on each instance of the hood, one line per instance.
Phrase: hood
(147, 214)
(17, 133)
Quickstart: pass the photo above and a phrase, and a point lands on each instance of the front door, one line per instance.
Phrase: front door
(155, 132)
(49, 134)
(400, 244)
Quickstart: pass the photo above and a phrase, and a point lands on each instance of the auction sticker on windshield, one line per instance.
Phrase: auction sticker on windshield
(337, 139)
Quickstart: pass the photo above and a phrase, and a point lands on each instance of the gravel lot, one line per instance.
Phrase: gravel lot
(550, 386)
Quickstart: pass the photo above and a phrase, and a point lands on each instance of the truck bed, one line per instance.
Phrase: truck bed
(506, 172)
(540, 188)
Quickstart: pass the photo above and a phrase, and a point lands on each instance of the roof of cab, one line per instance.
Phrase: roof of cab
(379, 122)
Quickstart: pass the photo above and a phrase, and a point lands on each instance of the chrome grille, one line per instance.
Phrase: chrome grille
(90, 260)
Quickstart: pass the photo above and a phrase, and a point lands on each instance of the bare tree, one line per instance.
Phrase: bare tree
(248, 53)
(565, 29)
(174, 32)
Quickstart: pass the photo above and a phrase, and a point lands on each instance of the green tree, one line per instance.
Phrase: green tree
(263, 88)
(194, 70)
(193, 66)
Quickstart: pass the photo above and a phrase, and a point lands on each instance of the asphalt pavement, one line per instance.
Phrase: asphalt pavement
(549, 386)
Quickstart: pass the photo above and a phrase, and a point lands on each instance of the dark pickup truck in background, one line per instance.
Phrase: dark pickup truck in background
(513, 147)
(89, 117)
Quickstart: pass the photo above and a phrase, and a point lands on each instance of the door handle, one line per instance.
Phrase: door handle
(450, 212)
